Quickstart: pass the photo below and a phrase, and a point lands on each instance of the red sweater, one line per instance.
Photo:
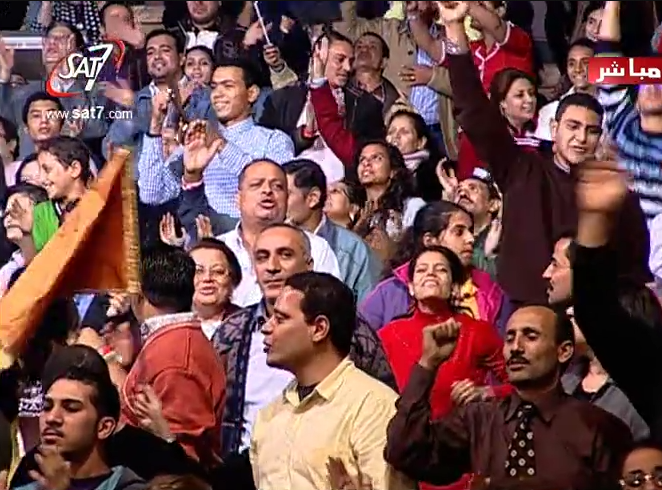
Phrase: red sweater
(477, 353)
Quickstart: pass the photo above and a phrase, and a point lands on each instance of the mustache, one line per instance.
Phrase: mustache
(51, 431)
(516, 359)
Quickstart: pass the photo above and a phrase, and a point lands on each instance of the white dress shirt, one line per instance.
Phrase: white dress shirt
(248, 292)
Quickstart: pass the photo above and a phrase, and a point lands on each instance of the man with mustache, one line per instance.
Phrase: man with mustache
(539, 420)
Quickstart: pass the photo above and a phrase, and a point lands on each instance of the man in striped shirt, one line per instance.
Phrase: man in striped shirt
(634, 123)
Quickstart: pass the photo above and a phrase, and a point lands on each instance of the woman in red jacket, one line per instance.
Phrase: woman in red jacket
(435, 276)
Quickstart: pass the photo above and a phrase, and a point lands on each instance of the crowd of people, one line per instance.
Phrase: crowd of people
(423, 234)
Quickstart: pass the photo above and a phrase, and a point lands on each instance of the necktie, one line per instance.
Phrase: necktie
(521, 459)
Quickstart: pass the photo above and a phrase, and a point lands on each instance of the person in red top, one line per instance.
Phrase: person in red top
(502, 45)
(435, 278)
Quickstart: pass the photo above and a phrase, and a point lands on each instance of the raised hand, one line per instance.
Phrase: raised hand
(601, 187)
(159, 110)
(448, 180)
(272, 56)
(53, 473)
(320, 57)
(453, 12)
(493, 237)
(168, 232)
(203, 226)
(119, 304)
(439, 343)
(416, 75)
(6, 61)
(200, 147)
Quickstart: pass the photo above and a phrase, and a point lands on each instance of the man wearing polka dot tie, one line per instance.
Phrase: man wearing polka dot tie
(537, 438)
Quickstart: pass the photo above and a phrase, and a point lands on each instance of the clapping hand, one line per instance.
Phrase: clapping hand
(200, 147)
(439, 343)
(203, 227)
(168, 232)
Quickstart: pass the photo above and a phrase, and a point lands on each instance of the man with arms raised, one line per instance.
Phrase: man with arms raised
(541, 422)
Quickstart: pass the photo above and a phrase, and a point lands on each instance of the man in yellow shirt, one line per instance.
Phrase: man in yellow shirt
(332, 410)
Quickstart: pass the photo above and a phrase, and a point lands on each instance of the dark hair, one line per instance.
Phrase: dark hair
(204, 49)
(579, 100)
(326, 295)
(38, 97)
(308, 175)
(432, 218)
(234, 268)
(85, 365)
(563, 329)
(642, 306)
(401, 185)
(333, 37)
(582, 42)
(11, 134)
(386, 51)
(592, 7)
(79, 39)
(32, 157)
(502, 82)
(177, 482)
(248, 69)
(68, 150)
(167, 278)
(35, 193)
(421, 129)
(242, 173)
(179, 42)
(107, 5)
(636, 446)
(458, 274)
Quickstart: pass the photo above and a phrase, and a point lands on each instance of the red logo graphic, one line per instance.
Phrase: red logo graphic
(624, 71)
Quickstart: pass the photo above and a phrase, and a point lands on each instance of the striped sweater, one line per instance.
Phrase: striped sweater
(640, 152)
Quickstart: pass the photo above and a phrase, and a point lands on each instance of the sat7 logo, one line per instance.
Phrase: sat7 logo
(85, 67)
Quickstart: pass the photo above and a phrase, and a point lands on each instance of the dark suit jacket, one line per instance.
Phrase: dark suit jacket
(284, 106)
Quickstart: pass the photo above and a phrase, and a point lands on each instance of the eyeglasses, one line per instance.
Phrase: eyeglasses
(637, 479)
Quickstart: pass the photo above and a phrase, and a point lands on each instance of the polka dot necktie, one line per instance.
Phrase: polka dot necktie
(521, 459)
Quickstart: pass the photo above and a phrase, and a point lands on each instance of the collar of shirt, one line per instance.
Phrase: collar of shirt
(154, 89)
(154, 324)
(326, 388)
(241, 127)
(320, 226)
(547, 404)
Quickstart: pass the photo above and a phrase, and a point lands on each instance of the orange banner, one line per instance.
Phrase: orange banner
(95, 249)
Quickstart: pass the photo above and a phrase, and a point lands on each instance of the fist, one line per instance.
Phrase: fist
(439, 343)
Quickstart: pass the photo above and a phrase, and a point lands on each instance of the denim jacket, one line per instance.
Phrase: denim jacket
(233, 340)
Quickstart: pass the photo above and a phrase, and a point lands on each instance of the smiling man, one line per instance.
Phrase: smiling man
(538, 188)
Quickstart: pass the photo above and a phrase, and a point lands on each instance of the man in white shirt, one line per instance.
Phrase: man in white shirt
(262, 201)
(580, 52)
